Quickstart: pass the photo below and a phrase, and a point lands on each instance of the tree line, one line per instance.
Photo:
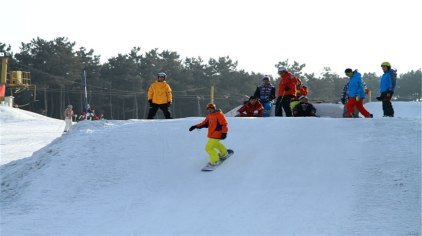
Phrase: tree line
(118, 87)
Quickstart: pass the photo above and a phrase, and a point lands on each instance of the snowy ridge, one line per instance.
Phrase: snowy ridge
(10, 114)
(289, 176)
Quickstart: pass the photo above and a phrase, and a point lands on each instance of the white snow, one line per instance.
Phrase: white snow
(23, 132)
(288, 176)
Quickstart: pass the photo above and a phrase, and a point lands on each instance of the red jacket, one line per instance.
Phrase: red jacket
(303, 91)
(287, 82)
(250, 109)
(216, 123)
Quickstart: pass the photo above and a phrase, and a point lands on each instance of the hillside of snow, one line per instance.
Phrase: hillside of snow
(22, 133)
(288, 176)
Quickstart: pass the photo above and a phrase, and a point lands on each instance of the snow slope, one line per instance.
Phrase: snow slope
(23, 132)
(289, 176)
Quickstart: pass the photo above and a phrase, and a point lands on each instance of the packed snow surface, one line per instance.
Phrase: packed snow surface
(288, 176)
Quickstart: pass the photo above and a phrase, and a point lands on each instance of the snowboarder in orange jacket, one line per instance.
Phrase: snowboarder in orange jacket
(217, 130)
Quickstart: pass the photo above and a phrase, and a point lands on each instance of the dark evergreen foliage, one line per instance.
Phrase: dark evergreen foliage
(118, 87)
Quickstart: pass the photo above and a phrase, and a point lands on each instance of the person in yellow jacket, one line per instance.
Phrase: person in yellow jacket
(217, 130)
(159, 97)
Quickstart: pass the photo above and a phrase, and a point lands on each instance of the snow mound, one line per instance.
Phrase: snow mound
(23, 132)
(10, 114)
(288, 176)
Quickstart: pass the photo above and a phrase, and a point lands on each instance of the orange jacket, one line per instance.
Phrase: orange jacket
(303, 91)
(287, 82)
(216, 123)
(250, 109)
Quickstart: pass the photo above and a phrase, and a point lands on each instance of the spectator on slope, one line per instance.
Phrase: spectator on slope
(301, 91)
(68, 115)
(286, 91)
(356, 94)
(304, 108)
(216, 123)
(387, 86)
(252, 108)
(344, 98)
(266, 94)
(159, 97)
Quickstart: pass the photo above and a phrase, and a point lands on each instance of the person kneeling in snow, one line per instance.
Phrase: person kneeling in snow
(304, 108)
(217, 130)
(250, 107)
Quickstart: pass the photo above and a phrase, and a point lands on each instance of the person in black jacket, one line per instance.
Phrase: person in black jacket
(304, 108)
(266, 94)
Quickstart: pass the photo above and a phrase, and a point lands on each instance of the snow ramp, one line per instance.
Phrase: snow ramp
(288, 176)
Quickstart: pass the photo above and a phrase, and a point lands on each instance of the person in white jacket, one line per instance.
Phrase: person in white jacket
(68, 114)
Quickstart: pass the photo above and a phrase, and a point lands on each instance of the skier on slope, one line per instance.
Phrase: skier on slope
(344, 98)
(159, 97)
(286, 91)
(356, 94)
(387, 86)
(217, 130)
(266, 94)
(68, 115)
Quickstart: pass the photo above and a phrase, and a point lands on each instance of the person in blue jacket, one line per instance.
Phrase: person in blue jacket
(356, 94)
(387, 86)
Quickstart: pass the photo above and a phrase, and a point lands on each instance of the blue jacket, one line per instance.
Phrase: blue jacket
(355, 86)
(386, 83)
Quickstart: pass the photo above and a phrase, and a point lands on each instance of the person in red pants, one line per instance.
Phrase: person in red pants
(356, 94)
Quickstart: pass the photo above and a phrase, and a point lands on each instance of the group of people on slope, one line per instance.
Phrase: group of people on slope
(355, 91)
(292, 98)
(70, 116)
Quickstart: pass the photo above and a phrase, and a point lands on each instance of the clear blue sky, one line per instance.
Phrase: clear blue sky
(258, 34)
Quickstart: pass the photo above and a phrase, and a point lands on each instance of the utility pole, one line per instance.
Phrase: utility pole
(136, 107)
(4, 62)
(212, 94)
(198, 98)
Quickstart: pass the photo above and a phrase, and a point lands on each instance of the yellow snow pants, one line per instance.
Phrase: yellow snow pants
(214, 147)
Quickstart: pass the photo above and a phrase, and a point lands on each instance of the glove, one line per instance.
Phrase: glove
(357, 98)
(150, 102)
(169, 104)
(192, 128)
(287, 88)
(223, 136)
(343, 101)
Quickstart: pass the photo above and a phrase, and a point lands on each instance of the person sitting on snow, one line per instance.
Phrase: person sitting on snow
(251, 108)
(304, 108)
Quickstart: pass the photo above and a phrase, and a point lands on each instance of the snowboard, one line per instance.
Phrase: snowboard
(211, 168)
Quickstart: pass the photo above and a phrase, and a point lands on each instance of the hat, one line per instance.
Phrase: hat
(162, 74)
(69, 106)
(386, 63)
(282, 69)
(348, 70)
(302, 97)
(266, 77)
(211, 105)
